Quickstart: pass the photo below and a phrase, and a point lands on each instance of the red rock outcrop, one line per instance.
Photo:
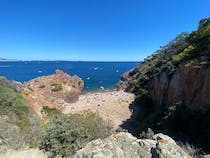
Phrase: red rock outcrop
(52, 91)
(127, 80)
(188, 85)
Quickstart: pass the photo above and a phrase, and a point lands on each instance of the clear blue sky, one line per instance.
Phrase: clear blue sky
(102, 30)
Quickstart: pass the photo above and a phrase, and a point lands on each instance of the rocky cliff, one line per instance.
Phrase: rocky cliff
(172, 86)
(188, 85)
(124, 145)
(53, 91)
(178, 73)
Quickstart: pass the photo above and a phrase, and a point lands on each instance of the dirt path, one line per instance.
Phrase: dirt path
(112, 106)
(30, 153)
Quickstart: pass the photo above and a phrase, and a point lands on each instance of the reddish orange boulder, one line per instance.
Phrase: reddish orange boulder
(53, 91)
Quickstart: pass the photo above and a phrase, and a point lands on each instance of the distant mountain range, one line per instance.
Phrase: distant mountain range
(4, 59)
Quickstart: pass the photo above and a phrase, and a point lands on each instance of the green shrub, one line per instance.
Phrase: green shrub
(18, 126)
(50, 112)
(184, 55)
(56, 87)
(196, 62)
(67, 133)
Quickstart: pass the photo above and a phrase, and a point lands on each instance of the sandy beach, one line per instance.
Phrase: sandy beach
(113, 106)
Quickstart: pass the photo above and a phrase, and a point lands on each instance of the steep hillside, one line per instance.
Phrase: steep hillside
(18, 126)
(172, 87)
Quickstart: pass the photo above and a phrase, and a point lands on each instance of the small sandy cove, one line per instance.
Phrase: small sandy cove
(112, 106)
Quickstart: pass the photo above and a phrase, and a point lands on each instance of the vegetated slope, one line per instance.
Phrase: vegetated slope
(18, 126)
(172, 87)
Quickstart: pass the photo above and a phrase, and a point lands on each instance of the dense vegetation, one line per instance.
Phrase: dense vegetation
(65, 134)
(188, 49)
(18, 126)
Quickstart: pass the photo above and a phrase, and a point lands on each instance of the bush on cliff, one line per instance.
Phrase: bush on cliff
(188, 49)
(56, 87)
(18, 126)
(67, 133)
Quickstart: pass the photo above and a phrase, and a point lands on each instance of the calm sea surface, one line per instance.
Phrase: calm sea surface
(94, 74)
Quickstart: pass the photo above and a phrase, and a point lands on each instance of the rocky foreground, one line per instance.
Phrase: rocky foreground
(120, 145)
(30, 153)
(124, 145)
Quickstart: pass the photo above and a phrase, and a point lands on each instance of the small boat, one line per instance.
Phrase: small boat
(102, 88)
(96, 68)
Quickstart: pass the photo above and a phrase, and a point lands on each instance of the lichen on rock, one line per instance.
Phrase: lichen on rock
(124, 145)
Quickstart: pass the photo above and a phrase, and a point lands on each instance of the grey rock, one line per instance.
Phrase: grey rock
(206, 156)
(124, 145)
(160, 136)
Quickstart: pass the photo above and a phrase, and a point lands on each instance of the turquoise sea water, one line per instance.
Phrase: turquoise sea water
(94, 74)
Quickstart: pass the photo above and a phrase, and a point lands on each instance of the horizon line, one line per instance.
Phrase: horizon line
(15, 60)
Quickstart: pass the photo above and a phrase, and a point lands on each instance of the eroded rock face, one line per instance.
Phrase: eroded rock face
(52, 91)
(124, 145)
(188, 85)
(127, 79)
